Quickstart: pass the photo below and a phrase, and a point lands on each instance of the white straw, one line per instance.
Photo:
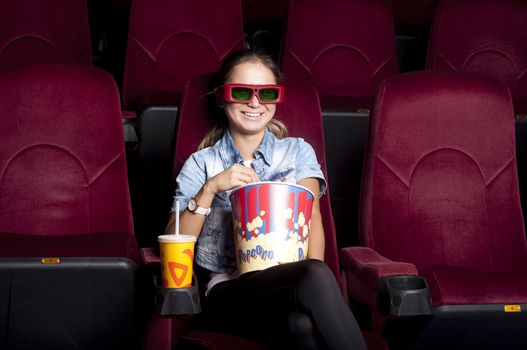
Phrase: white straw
(177, 219)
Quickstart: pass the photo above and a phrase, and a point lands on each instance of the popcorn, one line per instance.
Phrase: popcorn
(301, 219)
(256, 223)
(305, 230)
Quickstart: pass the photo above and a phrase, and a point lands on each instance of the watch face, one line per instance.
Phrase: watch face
(192, 205)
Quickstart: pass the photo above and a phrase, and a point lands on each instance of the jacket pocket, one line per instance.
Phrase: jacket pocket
(284, 175)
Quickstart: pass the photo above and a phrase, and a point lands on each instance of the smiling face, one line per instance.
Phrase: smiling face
(249, 118)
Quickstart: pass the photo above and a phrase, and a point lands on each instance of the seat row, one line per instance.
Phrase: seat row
(344, 48)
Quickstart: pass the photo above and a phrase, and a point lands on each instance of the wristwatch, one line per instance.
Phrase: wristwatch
(194, 208)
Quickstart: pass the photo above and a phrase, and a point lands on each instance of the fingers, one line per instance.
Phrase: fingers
(243, 175)
(235, 176)
(254, 177)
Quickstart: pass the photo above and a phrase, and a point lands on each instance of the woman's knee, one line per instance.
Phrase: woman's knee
(315, 271)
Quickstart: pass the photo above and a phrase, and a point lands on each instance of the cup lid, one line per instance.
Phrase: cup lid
(176, 238)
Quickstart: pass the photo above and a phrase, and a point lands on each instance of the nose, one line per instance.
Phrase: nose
(254, 102)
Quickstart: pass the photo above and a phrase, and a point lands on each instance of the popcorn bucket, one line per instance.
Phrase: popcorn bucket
(271, 224)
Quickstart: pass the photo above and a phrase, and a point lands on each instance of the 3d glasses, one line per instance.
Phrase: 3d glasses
(243, 93)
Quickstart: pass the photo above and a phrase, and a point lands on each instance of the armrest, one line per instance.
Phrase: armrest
(368, 265)
(363, 268)
(150, 256)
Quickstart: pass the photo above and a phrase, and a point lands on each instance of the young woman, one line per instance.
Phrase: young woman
(295, 305)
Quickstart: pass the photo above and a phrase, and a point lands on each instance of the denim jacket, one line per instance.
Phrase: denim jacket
(287, 160)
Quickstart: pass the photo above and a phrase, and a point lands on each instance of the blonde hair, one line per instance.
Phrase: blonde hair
(275, 126)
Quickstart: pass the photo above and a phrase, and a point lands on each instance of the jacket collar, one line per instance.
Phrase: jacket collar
(231, 155)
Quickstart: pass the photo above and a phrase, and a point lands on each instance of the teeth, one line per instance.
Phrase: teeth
(254, 115)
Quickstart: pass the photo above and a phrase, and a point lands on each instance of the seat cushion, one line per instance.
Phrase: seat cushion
(457, 286)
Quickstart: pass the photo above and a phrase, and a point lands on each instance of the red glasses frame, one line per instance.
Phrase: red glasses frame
(227, 92)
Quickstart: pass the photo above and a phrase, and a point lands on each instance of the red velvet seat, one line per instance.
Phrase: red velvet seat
(63, 162)
(41, 31)
(440, 200)
(344, 48)
(485, 37)
(68, 253)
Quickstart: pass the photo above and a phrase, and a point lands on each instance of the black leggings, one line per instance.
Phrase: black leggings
(295, 305)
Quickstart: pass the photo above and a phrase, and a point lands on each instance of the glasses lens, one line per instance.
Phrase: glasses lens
(241, 93)
(269, 94)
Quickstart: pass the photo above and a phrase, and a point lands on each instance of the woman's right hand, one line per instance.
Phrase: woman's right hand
(236, 175)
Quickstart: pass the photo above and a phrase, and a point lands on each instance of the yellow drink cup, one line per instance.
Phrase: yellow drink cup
(177, 258)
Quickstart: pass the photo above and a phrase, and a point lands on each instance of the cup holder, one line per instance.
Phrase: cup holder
(176, 301)
(404, 296)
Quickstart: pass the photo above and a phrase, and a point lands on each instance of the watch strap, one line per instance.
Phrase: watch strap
(202, 211)
(199, 210)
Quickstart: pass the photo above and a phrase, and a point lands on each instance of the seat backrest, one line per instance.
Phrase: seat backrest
(440, 184)
(301, 113)
(171, 41)
(39, 31)
(343, 47)
(63, 181)
(486, 37)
